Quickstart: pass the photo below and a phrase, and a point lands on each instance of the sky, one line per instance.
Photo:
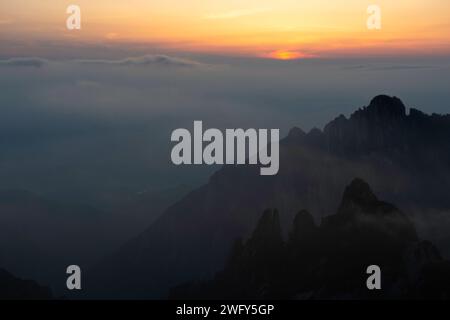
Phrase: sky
(281, 29)
(91, 110)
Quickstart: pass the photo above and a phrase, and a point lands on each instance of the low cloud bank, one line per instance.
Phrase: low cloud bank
(146, 60)
(24, 62)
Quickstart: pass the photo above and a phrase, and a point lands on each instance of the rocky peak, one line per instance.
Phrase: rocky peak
(267, 232)
(296, 133)
(331, 264)
(303, 227)
(359, 192)
(381, 126)
(268, 226)
(362, 210)
(384, 106)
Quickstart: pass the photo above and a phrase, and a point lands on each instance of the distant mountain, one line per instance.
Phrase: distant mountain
(39, 237)
(133, 213)
(12, 288)
(404, 156)
(330, 261)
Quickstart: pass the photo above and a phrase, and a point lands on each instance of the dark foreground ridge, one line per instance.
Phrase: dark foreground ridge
(329, 261)
(12, 288)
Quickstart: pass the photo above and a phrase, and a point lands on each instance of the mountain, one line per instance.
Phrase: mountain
(12, 288)
(330, 261)
(133, 213)
(39, 238)
(404, 156)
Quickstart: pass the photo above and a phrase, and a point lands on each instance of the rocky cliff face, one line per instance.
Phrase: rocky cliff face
(379, 127)
(330, 261)
(405, 157)
(385, 127)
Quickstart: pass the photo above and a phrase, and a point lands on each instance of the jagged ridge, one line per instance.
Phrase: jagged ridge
(397, 153)
(329, 261)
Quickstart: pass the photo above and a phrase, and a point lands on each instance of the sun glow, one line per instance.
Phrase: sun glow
(288, 55)
(274, 29)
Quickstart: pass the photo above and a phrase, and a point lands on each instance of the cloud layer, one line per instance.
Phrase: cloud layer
(24, 62)
(150, 59)
(145, 60)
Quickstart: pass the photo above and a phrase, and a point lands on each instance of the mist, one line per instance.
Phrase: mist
(74, 128)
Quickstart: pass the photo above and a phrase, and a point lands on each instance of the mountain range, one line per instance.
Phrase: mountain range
(404, 156)
(40, 236)
(330, 260)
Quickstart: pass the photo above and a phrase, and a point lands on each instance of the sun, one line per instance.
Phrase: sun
(287, 55)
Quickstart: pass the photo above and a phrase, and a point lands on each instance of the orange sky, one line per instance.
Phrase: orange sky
(282, 29)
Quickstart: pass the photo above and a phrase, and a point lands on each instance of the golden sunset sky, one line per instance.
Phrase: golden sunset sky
(281, 29)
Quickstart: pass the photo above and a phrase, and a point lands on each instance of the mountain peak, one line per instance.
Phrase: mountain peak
(296, 135)
(268, 227)
(381, 126)
(296, 132)
(303, 226)
(361, 209)
(359, 191)
(386, 106)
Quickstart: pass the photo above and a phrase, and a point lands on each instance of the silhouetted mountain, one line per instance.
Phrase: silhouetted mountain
(384, 127)
(45, 235)
(133, 213)
(330, 261)
(405, 157)
(12, 288)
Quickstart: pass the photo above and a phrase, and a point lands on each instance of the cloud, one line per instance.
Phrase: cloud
(146, 60)
(24, 62)
(150, 59)
(236, 14)
(388, 67)
(402, 67)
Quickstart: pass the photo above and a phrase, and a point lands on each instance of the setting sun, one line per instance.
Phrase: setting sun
(282, 29)
(287, 55)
